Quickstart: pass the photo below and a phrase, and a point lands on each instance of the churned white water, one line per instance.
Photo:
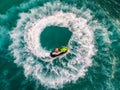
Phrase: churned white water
(36, 61)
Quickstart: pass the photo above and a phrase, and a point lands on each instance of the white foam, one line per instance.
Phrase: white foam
(26, 49)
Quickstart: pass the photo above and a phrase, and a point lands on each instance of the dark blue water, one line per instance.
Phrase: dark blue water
(55, 37)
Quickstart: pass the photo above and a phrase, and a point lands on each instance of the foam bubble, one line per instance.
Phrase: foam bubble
(27, 49)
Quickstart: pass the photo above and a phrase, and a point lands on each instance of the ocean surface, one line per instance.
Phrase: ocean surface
(31, 29)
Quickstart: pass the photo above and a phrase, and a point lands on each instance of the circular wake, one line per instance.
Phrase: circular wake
(26, 48)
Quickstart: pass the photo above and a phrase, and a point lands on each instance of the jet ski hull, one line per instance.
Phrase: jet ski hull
(55, 55)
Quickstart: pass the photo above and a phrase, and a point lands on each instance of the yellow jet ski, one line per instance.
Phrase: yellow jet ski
(59, 52)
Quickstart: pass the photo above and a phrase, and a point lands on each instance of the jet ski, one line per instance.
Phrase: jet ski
(59, 52)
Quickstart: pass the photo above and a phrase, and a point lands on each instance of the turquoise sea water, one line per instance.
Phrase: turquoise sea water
(55, 37)
(30, 29)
